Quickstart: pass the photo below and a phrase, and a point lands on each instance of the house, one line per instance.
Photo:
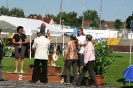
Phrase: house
(104, 24)
(45, 19)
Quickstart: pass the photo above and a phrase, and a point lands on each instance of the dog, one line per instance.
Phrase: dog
(52, 58)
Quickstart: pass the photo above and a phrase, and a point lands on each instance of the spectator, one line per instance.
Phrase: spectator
(41, 46)
(71, 58)
(89, 59)
(1, 53)
(82, 43)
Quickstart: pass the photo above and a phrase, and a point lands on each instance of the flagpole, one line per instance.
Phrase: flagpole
(7, 4)
(42, 10)
(60, 11)
(83, 15)
(100, 13)
(63, 37)
(125, 20)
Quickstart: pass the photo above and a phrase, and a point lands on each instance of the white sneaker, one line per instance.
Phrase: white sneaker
(15, 71)
(21, 71)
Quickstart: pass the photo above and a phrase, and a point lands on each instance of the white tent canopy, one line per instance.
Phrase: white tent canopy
(9, 24)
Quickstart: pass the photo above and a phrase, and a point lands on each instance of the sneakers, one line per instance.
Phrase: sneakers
(21, 71)
(15, 71)
(66, 83)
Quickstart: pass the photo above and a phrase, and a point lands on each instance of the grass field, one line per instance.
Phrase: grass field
(113, 76)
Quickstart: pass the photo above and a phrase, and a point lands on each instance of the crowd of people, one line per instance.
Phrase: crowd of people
(79, 54)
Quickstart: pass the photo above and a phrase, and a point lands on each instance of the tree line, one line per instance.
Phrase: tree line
(70, 18)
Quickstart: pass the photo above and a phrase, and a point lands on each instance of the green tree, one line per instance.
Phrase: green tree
(128, 22)
(49, 15)
(118, 24)
(72, 19)
(94, 24)
(34, 16)
(57, 18)
(4, 11)
(91, 15)
(69, 18)
(16, 12)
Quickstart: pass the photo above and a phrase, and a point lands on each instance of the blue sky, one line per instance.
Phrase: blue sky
(111, 9)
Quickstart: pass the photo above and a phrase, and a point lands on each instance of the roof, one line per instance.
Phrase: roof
(110, 24)
(45, 19)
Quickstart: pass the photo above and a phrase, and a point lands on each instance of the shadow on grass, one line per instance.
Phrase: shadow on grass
(120, 80)
(118, 56)
(124, 83)
(127, 87)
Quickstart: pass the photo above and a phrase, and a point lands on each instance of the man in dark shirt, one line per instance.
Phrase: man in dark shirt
(1, 51)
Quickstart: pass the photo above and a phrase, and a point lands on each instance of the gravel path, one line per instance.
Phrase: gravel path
(13, 84)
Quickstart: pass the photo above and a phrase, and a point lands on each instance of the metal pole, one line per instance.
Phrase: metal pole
(100, 13)
(125, 20)
(130, 49)
(60, 11)
(43, 11)
(30, 42)
(7, 4)
(56, 41)
(7, 7)
(63, 36)
(83, 15)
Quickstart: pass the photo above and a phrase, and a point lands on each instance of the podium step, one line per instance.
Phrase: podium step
(54, 75)
(52, 70)
(25, 77)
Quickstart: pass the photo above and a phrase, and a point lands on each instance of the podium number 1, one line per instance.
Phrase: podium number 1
(20, 77)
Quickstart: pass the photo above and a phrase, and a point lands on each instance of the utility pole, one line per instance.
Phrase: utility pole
(7, 4)
(83, 15)
(125, 21)
(61, 13)
(7, 7)
(42, 10)
(100, 13)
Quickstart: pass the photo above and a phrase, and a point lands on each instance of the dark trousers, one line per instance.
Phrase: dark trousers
(1, 70)
(89, 67)
(70, 63)
(37, 68)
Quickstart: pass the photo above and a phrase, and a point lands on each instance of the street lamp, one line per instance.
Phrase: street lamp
(63, 36)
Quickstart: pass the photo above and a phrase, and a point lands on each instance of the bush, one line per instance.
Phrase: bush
(104, 56)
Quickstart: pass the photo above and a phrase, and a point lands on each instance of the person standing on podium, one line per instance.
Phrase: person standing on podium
(19, 40)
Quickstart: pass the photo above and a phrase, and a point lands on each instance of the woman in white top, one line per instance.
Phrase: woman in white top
(82, 42)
